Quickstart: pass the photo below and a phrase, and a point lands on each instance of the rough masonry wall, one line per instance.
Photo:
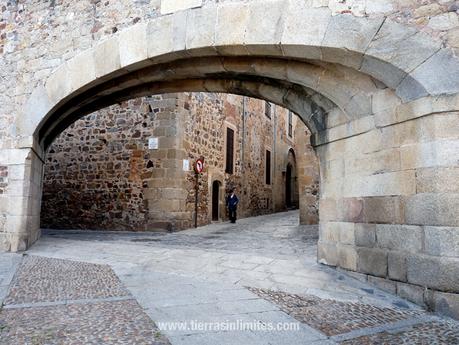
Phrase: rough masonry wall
(98, 170)
(94, 171)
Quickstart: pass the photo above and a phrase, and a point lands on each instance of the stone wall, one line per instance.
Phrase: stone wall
(100, 173)
(94, 171)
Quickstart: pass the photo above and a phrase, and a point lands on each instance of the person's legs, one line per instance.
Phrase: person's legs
(232, 216)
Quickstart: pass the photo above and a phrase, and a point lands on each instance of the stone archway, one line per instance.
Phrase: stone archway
(382, 118)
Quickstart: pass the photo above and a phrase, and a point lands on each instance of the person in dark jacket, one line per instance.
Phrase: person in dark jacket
(231, 203)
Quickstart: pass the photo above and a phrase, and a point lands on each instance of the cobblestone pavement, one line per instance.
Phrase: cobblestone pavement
(44, 305)
(40, 279)
(201, 276)
(351, 323)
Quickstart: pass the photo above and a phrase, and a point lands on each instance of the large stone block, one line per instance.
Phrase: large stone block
(411, 89)
(441, 241)
(392, 183)
(394, 44)
(347, 257)
(304, 30)
(328, 210)
(266, 29)
(351, 35)
(329, 231)
(327, 253)
(439, 74)
(412, 293)
(107, 57)
(200, 31)
(351, 210)
(396, 266)
(399, 237)
(388, 209)
(365, 235)
(346, 233)
(383, 284)
(58, 85)
(432, 209)
(165, 35)
(81, 71)
(372, 261)
(307, 75)
(377, 163)
(433, 272)
(228, 34)
(437, 180)
(430, 154)
(37, 107)
(132, 46)
(445, 303)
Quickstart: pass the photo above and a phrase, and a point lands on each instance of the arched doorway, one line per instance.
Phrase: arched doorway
(288, 186)
(291, 182)
(216, 200)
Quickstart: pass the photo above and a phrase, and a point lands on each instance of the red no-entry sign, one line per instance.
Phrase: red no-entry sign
(199, 166)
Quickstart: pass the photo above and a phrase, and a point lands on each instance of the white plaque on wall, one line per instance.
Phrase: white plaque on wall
(186, 165)
(153, 143)
(170, 6)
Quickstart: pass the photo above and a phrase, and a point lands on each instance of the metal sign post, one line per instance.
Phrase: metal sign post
(198, 167)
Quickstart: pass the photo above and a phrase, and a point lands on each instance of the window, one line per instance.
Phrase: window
(268, 110)
(268, 167)
(290, 124)
(229, 150)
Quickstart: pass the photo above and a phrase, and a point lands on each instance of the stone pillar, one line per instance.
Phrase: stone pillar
(389, 203)
(20, 198)
(165, 191)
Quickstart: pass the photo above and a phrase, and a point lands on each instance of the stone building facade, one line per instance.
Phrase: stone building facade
(101, 174)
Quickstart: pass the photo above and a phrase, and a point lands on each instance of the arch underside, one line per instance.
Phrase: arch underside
(311, 89)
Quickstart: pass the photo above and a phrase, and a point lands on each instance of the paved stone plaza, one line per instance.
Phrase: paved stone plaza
(78, 287)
